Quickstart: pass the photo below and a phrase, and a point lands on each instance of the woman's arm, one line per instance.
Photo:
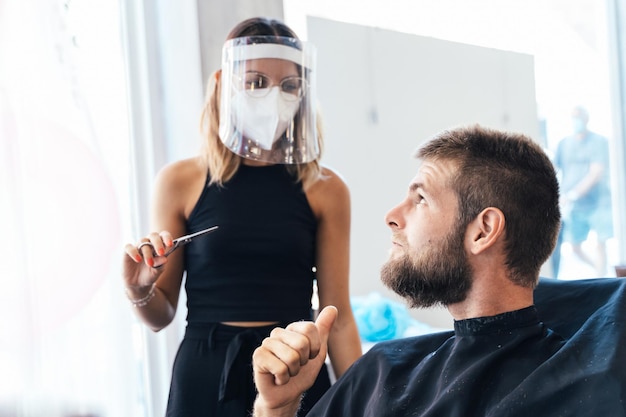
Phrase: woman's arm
(176, 190)
(330, 200)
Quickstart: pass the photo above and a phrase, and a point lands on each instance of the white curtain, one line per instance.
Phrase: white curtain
(68, 342)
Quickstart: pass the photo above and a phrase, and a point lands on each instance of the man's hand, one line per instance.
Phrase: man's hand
(288, 362)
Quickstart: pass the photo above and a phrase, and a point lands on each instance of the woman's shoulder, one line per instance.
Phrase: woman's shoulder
(181, 178)
(329, 192)
(182, 171)
(329, 177)
(179, 184)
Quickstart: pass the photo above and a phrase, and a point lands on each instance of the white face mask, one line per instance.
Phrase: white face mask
(264, 119)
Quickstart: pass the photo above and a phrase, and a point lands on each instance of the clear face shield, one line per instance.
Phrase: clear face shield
(267, 103)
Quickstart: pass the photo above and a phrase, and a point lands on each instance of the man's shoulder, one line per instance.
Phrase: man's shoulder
(597, 135)
(568, 306)
(595, 138)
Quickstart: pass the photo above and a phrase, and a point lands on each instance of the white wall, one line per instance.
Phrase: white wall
(384, 92)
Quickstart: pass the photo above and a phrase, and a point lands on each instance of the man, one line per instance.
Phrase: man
(479, 220)
(583, 161)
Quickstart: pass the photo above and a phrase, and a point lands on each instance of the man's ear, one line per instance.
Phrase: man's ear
(486, 229)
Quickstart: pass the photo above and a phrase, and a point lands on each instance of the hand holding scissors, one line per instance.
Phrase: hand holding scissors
(177, 243)
(138, 280)
(139, 253)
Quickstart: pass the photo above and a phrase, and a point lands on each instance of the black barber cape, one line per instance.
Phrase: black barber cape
(565, 356)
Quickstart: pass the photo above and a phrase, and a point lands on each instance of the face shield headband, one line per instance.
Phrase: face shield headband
(267, 102)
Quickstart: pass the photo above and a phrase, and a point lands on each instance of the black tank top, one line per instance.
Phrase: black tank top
(258, 265)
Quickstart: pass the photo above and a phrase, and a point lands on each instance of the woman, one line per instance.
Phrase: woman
(283, 220)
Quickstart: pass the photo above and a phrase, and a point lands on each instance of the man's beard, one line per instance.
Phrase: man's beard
(440, 275)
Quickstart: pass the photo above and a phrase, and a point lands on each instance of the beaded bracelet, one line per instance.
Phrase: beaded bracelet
(143, 301)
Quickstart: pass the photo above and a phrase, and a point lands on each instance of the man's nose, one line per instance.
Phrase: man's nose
(392, 218)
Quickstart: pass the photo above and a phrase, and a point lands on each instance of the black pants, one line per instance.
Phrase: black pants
(212, 374)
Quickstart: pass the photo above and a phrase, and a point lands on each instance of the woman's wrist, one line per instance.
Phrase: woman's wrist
(140, 296)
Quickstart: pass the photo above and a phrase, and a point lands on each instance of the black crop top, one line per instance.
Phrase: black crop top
(258, 265)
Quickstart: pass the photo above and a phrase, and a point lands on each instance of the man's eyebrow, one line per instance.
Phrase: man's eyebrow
(415, 185)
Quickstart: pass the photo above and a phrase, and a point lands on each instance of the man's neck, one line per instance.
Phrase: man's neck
(492, 300)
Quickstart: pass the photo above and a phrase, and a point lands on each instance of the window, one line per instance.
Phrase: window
(68, 344)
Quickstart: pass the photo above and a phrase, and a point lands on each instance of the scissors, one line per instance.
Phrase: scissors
(181, 241)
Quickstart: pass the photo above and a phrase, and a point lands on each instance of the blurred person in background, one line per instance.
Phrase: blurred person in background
(582, 160)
